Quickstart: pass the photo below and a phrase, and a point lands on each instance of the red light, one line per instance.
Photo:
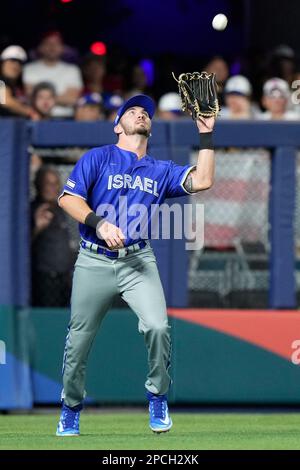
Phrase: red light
(66, 1)
(98, 48)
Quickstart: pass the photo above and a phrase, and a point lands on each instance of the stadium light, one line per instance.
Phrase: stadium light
(98, 48)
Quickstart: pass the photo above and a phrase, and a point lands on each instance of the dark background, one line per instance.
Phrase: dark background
(147, 28)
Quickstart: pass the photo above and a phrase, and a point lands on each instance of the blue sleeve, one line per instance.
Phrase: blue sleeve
(176, 179)
(84, 174)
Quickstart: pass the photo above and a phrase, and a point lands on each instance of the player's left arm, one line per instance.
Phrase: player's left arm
(202, 177)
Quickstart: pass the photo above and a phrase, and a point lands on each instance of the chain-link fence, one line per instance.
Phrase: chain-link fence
(232, 268)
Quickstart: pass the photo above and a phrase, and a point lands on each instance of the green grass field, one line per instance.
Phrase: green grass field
(111, 431)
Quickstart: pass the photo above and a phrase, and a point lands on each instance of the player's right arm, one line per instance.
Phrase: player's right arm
(75, 207)
(79, 210)
(74, 197)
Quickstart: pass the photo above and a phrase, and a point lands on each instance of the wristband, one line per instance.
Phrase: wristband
(206, 141)
(92, 220)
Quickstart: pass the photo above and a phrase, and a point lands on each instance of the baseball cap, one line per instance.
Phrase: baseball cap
(14, 53)
(143, 101)
(276, 88)
(114, 102)
(170, 102)
(284, 51)
(89, 98)
(238, 85)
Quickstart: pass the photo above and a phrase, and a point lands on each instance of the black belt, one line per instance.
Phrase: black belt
(120, 253)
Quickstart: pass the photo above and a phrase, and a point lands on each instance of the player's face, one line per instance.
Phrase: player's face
(136, 120)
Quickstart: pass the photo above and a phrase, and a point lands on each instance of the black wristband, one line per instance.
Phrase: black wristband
(206, 141)
(92, 220)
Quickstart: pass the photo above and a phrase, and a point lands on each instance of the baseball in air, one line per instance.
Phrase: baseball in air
(220, 22)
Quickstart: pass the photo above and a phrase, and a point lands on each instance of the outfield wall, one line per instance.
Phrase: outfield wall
(219, 357)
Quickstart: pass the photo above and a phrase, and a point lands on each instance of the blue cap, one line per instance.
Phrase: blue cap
(114, 102)
(143, 101)
(90, 98)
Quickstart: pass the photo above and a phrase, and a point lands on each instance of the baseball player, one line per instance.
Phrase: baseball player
(116, 261)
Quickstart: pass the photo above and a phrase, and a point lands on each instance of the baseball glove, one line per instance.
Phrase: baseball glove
(198, 93)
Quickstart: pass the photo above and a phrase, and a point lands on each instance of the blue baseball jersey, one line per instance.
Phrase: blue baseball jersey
(119, 187)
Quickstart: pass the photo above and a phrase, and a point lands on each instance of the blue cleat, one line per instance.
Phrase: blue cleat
(160, 420)
(68, 424)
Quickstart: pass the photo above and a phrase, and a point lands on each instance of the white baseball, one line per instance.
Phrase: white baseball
(220, 22)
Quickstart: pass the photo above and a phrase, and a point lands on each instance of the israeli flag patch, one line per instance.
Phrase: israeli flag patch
(71, 184)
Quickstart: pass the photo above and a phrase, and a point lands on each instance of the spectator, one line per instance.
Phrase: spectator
(12, 60)
(169, 107)
(52, 256)
(93, 72)
(276, 95)
(112, 105)
(65, 78)
(238, 99)
(219, 66)
(283, 64)
(117, 64)
(137, 83)
(43, 100)
(89, 108)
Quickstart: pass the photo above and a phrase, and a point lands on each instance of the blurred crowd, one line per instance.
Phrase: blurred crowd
(51, 87)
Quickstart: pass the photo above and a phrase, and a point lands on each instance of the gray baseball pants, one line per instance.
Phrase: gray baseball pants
(97, 280)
